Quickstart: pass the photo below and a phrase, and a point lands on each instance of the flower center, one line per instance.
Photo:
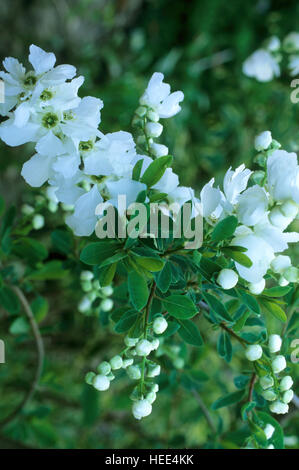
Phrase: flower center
(50, 120)
(46, 95)
(30, 81)
(84, 146)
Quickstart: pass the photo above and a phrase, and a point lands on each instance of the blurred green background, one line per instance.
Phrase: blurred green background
(117, 45)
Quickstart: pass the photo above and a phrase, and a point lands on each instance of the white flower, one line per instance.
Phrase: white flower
(134, 372)
(288, 396)
(277, 219)
(153, 129)
(279, 364)
(155, 344)
(101, 382)
(279, 407)
(83, 220)
(153, 370)
(141, 409)
(263, 141)
(283, 176)
(286, 383)
(262, 66)
(252, 205)
(289, 209)
(281, 263)
(266, 382)
(259, 252)
(84, 304)
(275, 343)
(158, 97)
(210, 199)
(254, 352)
(257, 287)
(143, 347)
(160, 325)
(269, 430)
(38, 221)
(151, 397)
(116, 362)
(273, 43)
(294, 65)
(227, 278)
(235, 182)
(127, 363)
(291, 42)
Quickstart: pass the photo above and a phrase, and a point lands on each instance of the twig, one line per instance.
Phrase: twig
(251, 386)
(205, 411)
(40, 356)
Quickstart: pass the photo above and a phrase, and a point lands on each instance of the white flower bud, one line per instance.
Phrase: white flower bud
(289, 209)
(96, 284)
(104, 368)
(153, 370)
(143, 348)
(278, 364)
(286, 383)
(108, 290)
(257, 287)
(151, 397)
(86, 286)
(160, 325)
(254, 352)
(288, 396)
(155, 344)
(27, 210)
(273, 43)
(110, 376)
(227, 278)
(134, 372)
(159, 150)
(155, 388)
(116, 362)
(263, 141)
(283, 282)
(269, 430)
(279, 408)
(291, 274)
(101, 382)
(281, 263)
(107, 305)
(153, 129)
(141, 111)
(92, 296)
(277, 219)
(130, 342)
(270, 446)
(127, 362)
(38, 221)
(141, 408)
(291, 42)
(152, 115)
(275, 343)
(269, 395)
(266, 382)
(86, 276)
(179, 363)
(84, 305)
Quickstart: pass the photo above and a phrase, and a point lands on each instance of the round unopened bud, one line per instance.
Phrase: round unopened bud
(277, 218)
(116, 362)
(283, 282)
(141, 409)
(38, 221)
(155, 344)
(286, 383)
(86, 286)
(291, 274)
(291, 42)
(104, 368)
(152, 115)
(134, 372)
(179, 363)
(143, 347)
(107, 291)
(273, 43)
(269, 395)
(127, 363)
(86, 275)
(254, 352)
(107, 305)
(101, 382)
(263, 141)
(84, 305)
(27, 210)
(159, 150)
(275, 343)
(266, 382)
(288, 396)
(153, 129)
(91, 295)
(89, 377)
(257, 287)
(279, 407)
(141, 111)
(269, 430)
(155, 388)
(227, 278)
(96, 284)
(279, 364)
(151, 397)
(290, 209)
(110, 376)
(160, 325)
(281, 263)
(130, 342)
(270, 446)
(153, 370)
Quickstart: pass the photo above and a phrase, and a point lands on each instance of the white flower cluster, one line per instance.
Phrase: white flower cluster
(276, 390)
(94, 291)
(264, 211)
(83, 166)
(263, 64)
(134, 359)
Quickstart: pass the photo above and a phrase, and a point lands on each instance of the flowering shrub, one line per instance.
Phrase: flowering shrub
(153, 286)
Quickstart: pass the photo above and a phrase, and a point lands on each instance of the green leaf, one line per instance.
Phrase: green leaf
(156, 170)
(96, 252)
(2, 206)
(277, 438)
(250, 301)
(151, 264)
(30, 249)
(227, 400)
(172, 328)
(179, 306)
(237, 256)
(274, 309)
(247, 408)
(217, 307)
(126, 321)
(225, 229)
(62, 241)
(157, 197)
(163, 278)
(137, 170)
(224, 346)
(106, 274)
(9, 300)
(190, 333)
(49, 271)
(40, 308)
(114, 259)
(19, 326)
(138, 290)
(278, 291)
